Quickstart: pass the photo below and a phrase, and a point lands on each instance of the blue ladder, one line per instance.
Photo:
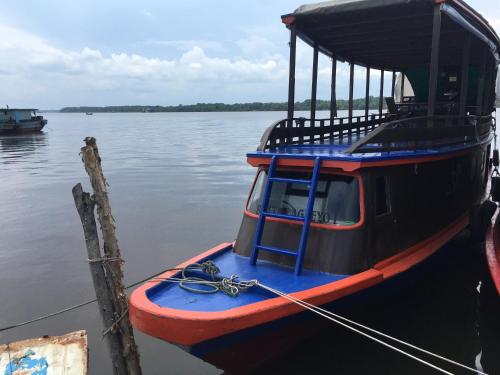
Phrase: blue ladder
(306, 220)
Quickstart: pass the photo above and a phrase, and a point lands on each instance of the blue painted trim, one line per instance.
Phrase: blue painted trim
(328, 152)
(262, 217)
(276, 250)
(290, 180)
(283, 216)
(308, 216)
(170, 295)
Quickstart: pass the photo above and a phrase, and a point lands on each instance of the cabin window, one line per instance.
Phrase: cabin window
(336, 201)
(381, 197)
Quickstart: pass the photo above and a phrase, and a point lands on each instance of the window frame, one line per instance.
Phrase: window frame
(361, 192)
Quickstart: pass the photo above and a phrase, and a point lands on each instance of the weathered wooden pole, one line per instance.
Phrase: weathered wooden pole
(85, 206)
(106, 268)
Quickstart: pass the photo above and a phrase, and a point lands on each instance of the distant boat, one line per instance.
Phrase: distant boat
(15, 120)
(88, 113)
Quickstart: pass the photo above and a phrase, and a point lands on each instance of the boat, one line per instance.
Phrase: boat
(15, 120)
(345, 210)
(492, 250)
(89, 113)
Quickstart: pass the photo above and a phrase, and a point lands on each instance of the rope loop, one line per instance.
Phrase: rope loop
(230, 286)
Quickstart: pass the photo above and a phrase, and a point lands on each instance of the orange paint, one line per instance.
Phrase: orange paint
(192, 327)
(493, 251)
(350, 166)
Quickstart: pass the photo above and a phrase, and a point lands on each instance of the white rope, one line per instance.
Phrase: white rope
(335, 318)
(311, 306)
(229, 283)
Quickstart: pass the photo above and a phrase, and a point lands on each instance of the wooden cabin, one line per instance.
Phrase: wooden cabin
(391, 179)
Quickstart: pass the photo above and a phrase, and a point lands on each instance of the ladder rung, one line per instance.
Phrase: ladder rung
(290, 180)
(283, 216)
(277, 250)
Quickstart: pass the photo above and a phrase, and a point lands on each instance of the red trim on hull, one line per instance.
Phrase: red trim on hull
(192, 327)
(493, 251)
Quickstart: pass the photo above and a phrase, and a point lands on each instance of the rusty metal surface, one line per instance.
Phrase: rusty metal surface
(48, 355)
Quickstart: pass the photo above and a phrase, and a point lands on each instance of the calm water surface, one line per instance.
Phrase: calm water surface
(178, 183)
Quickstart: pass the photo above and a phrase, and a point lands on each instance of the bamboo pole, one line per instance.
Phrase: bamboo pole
(109, 265)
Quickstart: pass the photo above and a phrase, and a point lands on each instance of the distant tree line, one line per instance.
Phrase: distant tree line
(358, 104)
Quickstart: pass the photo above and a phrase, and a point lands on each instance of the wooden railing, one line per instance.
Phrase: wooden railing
(301, 130)
(424, 132)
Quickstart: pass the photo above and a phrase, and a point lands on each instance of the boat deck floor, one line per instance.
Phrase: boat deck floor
(335, 149)
(171, 295)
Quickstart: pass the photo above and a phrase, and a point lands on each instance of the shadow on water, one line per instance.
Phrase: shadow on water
(15, 147)
(452, 311)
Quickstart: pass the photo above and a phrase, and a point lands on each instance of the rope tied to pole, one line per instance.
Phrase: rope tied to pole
(106, 259)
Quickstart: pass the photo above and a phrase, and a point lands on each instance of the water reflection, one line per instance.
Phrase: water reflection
(15, 147)
(446, 313)
(489, 325)
(170, 175)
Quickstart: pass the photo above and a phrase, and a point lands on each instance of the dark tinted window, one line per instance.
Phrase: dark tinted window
(336, 201)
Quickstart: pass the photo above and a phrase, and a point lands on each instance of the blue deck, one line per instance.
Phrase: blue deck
(335, 150)
(170, 295)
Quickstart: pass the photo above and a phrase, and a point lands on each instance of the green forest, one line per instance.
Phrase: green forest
(221, 107)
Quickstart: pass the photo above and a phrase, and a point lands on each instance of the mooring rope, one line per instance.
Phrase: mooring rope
(232, 287)
(230, 283)
(82, 304)
(336, 318)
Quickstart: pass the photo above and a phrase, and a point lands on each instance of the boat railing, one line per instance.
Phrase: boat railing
(301, 130)
(422, 132)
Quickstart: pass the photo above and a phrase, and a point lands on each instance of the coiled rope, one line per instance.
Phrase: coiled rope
(227, 285)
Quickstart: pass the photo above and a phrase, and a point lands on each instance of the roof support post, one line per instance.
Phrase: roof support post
(381, 95)
(367, 93)
(351, 94)
(481, 83)
(333, 95)
(393, 83)
(434, 67)
(314, 84)
(403, 78)
(464, 77)
(291, 80)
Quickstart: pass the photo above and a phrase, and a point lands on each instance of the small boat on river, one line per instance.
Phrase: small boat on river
(344, 209)
(15, 120)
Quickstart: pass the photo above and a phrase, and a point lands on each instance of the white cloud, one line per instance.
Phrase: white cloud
(34, 62)
(255, 45)
(187, 44)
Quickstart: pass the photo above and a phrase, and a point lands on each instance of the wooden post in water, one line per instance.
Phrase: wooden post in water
(106, 268)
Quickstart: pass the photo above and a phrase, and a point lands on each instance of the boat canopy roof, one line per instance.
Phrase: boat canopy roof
(393, 34)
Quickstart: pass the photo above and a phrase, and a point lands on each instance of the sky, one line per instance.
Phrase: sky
(57, 53)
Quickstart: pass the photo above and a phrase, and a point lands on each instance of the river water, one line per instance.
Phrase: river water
(178, 183)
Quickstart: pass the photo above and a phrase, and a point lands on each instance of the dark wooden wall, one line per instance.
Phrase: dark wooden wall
(424, 198)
